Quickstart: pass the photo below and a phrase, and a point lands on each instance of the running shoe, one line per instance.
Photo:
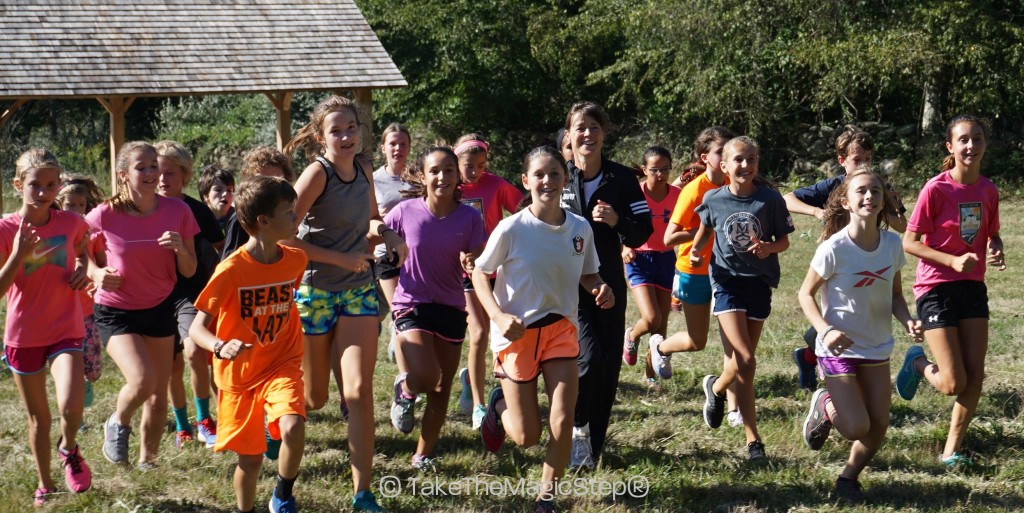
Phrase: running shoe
(806, 375)
(146, 466)
(423, 463)
(734, 418)
(402, 408)
(41, 495)
(115, 440)
(365, 501)
(629, 349)
(466, 395)
(288, 505)
(653, 385)
(662, 363)
(479, 411)
(957, 460)
(582, 455)
(714, 405)
(817, 426)
(907, 378)
(492, 433)
(755, 451)
(848, 491)
(76, 472)
(206, 432)
(181, 438)
(544, 506)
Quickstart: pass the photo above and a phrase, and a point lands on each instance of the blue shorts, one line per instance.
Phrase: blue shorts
(744, 294)
(653, 268)
(693, 289)
(319, 310)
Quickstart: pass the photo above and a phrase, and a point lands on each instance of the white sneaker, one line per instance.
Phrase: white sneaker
(661, 363)
(582, 453)
(735, 418)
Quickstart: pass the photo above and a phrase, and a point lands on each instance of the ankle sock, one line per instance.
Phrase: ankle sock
(181, 419)
(283, 490)
(202, 408)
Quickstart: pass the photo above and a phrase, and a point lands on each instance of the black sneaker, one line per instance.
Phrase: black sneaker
(714, 405)
(848, 491)
(543, 506)
(755, 451)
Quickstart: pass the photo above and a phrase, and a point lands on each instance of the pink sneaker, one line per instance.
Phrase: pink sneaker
(181, 438)
(76, 471)
(629, 350)
(39, 498)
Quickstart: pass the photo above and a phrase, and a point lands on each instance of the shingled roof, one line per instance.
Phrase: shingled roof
(90, 48)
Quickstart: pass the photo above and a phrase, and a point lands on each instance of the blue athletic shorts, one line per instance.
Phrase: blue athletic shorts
(653, 268)
(693, 289)
(744, 294)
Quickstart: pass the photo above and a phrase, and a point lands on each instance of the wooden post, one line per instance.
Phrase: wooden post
(364, 106)
(116, 106)
(283, 105)
(4, 118)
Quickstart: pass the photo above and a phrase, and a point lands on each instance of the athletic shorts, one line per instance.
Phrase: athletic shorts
(156, 322)
(30, 360)
(184, 314)
(467, 283)
(945, 305)
(521, 361)
(693, 289)
(319, 309)
(240, 416)
(838, 366)
(442, 321)
(652, 268)
(744, 294)
(385, 271)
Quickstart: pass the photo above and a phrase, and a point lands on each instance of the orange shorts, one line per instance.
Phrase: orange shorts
(521, 360)
(241, 417)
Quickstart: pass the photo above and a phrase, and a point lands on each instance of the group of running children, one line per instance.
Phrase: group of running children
(295, 292)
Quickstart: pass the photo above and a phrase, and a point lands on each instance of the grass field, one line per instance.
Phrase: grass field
(657, 439)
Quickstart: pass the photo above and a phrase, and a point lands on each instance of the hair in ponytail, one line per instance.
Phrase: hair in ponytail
(121, 201)
(307, 138)
(950, 161)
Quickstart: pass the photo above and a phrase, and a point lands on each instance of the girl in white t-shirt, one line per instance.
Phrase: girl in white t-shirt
(539, 255)
(857, 269)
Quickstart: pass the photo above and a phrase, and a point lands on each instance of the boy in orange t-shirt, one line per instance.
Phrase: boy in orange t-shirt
(258, 342)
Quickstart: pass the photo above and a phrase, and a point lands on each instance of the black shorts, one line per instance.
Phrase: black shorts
(948, 303)
(385, 271)
(442, 321)
(467, 283)
(158, 321)
(184, 314)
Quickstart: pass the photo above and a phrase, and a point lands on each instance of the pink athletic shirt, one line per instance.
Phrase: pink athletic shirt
(42, 309)
(132, 249)
(661, 213)
(954, 218)
(488, 196)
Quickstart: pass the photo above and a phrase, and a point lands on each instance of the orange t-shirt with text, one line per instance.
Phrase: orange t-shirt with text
(685, 217)
(254, 302)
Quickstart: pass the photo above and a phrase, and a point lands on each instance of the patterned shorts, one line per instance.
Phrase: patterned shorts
(319, 309)
(91, 351)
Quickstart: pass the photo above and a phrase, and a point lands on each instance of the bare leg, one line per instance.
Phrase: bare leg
(32, 389)
(316, 368)
(478, 330)
(247, 473)
(357, 337)
(739, 338)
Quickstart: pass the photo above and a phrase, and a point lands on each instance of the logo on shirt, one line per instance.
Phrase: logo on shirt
(666, 216)
(51, 250)
(870, 277)
(970, 221)
(577, 245)
(741, 229)
(476, 203)
(265, 309)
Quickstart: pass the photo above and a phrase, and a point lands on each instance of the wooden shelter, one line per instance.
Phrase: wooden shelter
(118, 50)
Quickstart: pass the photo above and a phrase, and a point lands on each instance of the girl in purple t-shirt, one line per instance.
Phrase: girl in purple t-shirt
(429, 307)
(954, 231)
(148, 237)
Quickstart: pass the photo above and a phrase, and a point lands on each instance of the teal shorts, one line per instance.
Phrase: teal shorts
(319, 309)
(693, 289)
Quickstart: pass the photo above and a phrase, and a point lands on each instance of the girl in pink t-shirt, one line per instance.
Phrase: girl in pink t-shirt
(489, 194)
(44, 267)
(954, 231)
(147, 237)
(650, 268)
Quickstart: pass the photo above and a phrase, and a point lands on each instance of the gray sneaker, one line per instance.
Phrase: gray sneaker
(402, 408)
(115, 441)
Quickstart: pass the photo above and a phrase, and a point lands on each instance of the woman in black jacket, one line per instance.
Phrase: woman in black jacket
(608, 195)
